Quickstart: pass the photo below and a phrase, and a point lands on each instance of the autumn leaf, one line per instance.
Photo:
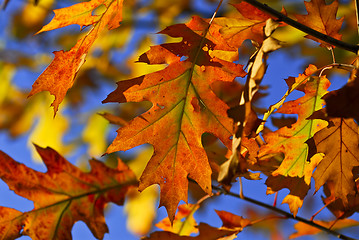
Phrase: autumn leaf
(248, 24)
(322, 17)
(63, 195)
(11, 222)
(184, 107)
(232, 221)
(336, 205)
(293, 83)
(243, 116)
(291, 141)
(60, 75)
(339, 142)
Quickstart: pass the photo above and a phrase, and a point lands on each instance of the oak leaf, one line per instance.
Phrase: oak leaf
(232, 221)
(63, 195)
(339, 142)
(60, 75)
(322, 17)
(248, 24)
(295, 171)
(184, 107)
(11, 222)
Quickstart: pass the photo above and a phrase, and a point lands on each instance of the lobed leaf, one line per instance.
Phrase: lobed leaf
(295, 171)
(62, 195)
(184, 107)
(322, 17)
(339, 142)
(60, 75)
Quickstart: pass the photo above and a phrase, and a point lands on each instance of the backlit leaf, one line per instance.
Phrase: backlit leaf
(60, 75)
(339, 141)
(184, 107)
(291, 142)
(232, 221)
(64, 194)
(322, 17)
(11, 222)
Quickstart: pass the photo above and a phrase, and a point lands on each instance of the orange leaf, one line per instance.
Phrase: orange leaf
(11, 223)
(184, 107)
(291, 141)
(322, 17)
(64, 194)
(60, 75)
(339, 142)
(232, 221)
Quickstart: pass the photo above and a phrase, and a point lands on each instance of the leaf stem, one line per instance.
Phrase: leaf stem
(284, 213)
(304, 28)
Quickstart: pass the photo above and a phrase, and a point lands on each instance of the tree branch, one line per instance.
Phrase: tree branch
(284, 213)
(304, 28)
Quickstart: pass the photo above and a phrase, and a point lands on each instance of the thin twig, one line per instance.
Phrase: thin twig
(284, 213)
(304, 28)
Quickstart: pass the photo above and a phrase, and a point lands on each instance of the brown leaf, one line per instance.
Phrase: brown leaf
(336, 205)
(340, 144)
(344, 102)
(322, 17)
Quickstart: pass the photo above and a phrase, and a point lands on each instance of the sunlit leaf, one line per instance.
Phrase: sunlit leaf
(63, 195)
(184, 107)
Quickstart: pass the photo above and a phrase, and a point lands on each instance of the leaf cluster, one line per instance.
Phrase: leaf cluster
(192, 97)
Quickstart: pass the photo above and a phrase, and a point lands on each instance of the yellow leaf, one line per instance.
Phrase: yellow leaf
(49, 131)
(94, 135)
(141, 210)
